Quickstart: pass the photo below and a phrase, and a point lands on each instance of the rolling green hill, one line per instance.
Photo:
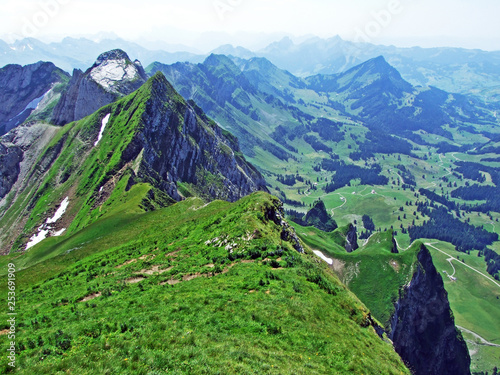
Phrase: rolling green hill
(191, 288)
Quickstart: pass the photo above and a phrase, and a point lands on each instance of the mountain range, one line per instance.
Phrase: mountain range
(122, 178)
(456, 70)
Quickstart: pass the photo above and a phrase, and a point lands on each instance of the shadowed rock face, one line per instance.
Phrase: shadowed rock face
(319, 217)
(112, 76)
(351, 239)
(184, 145)
(10, 159)
(22, 88)
(394, 249)
(19, 149)
(423, 326)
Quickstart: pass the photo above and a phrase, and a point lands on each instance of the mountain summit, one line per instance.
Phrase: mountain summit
(112, 76)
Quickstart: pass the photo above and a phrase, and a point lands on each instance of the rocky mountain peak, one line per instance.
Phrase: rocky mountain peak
(319, 217)
(114, 71)
(115, 54)
(112, 76)
(385, 72)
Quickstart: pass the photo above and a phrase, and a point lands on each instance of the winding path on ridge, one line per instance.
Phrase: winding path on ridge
(400, 248)
(450, 260)
(431, 244)
(483, 341)
(342, 205)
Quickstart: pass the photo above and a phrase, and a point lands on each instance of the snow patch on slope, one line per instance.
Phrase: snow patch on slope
(33, 105)
(105, 121)
(35, 102)
(46, 229)
(37, 238)
(60, 211)
(112, 71)
(322, 256)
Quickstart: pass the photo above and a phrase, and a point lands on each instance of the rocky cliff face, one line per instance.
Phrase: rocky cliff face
(351, 239)
(20, 149)
(10, 159)
(22, 88)
(178, 143)
(111, 77)
(423, 328)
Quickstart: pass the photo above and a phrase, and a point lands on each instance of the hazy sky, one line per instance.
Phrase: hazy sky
(205, 24)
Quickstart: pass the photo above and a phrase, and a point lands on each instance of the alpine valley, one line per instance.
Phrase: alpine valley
(225, 216)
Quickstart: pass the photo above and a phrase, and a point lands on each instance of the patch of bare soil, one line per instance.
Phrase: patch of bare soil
(154, 270)
(90, 297)
(395, 265)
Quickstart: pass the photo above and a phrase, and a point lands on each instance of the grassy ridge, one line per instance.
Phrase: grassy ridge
(171, 300)
(372, 264)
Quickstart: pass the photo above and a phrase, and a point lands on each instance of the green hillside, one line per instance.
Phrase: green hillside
(189, 289)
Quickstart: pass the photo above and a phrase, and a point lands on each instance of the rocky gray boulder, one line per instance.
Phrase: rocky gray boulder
(112, 76)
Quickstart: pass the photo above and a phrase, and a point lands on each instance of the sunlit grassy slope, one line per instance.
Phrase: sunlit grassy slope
(189, 289)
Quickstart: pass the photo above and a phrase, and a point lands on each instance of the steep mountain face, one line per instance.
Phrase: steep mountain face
(423, 328)
(111, 77)
(10, 158)
(152, 145)
(23, 89)
(249, 98)
(405, 293)
(214, 162)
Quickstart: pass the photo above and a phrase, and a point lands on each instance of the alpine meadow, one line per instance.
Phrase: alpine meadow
(249, 201)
